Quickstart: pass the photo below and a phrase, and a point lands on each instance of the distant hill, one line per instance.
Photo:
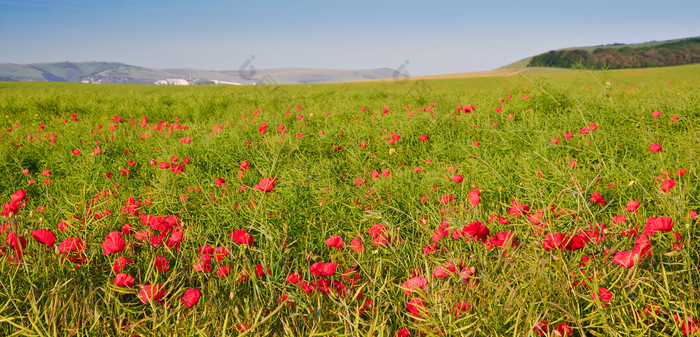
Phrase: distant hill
(110, 72)
(621, 56)
(610, 49)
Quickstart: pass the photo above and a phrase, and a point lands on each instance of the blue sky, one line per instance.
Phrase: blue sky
(434, 36)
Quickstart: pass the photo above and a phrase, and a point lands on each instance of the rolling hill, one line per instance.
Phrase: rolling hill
(110, 72)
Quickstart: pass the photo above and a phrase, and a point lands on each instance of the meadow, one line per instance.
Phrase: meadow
(560, 204)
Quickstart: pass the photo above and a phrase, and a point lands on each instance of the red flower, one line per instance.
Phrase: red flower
(219, 182)
(242, 236)
(152, 293)
(416, 306)
(414, 283)
(71, 244)
(541, 328)
(335, 242)
(663, 224)
(457, 178)
(120, 263)
(323, 269)
(517, 210)
(191, 297)
(474, 197)
(604, 295)
(476, 230)
(666, 185)
(597, 199)
(461, 307)
(654, 147)
(423, 138)
(292, 278)
(162, 264)
(123, 280)
(632, 206)
(445, 199)
(262, 128)
(222, 271)
(266, 184)
(564, 329)
(553, 241)
(113, 243)
(44, 236)
(688, 325)
(356, 245)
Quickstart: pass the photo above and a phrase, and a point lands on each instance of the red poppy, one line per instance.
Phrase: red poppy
(416, 306)
(553, 241)
(71, 244)
(662, 224)
(222, 271)
(219, 182)
(474, 197)
(152, 293)
(423, 138)
(517, 210)
(44, 236)
(124, 281)
(654, 147)
(688, 326)
(266, 184)
(356, 245)
(292, 278)
(666, 185)
(457, 178)
(335, 242)
(203, 264)
(323, 269)
(597, 199)
(242, 236)
(190, 297)
(113, 243)
(162, 264)
(604, 295)
(632, 206)
(445, 199)
(541, 328)
(120, 263)
(414, 283)
(476, 230)
(564, 329)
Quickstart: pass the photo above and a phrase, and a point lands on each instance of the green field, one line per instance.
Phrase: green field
(510, 219)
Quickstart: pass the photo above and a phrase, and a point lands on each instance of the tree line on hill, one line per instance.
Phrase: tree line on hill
(667, 54)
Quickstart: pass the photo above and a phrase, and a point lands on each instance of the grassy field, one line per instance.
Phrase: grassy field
(530, 205)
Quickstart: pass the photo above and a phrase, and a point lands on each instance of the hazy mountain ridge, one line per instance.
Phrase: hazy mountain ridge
(112, 72)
